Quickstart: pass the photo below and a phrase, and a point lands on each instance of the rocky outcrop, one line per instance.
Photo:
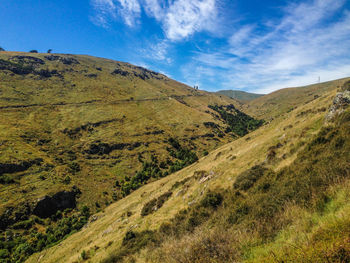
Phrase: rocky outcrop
(64, 60)
(49, 205)
(28, 60)
(340, 102)
(6, 168)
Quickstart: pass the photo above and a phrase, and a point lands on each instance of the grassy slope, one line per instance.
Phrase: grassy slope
(240, 95)
(281, 101)
(86, 93)
(292, 129)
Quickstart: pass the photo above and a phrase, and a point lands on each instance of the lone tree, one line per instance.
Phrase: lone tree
(33, 51)
(49, 51)
(1, 49)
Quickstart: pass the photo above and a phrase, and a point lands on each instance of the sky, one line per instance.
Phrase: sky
(251, 45)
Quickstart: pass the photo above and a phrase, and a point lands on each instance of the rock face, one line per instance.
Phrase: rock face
(49, 205)
(340, 102)
(19, 167)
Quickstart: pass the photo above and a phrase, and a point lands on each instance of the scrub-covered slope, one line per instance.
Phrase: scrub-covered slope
(79, 132)
(277, 194)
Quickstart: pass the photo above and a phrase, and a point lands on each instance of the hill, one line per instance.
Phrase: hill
(284, 100)
(78, 133)
(277, 194)
(240, 95)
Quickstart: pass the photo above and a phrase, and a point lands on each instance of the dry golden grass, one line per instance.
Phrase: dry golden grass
(223, 164)
(88, 93)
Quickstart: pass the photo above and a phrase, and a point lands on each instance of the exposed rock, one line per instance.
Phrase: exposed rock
(64, 60)
(49, 205)
(28, 60)
(340, 102)
(15, 68)
(20, 167)
(207, 177)
(120, 72)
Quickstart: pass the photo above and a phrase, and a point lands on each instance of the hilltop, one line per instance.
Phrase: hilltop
(240, 95)
(277, 194)
(285, 100)
(78, 133)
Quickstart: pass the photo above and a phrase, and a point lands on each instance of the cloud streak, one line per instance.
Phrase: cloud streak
(305, 41)
(293, 51)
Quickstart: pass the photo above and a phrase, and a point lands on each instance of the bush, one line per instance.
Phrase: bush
(212, 199)
(33, 51)
(246, 180)
(155, 204)
(84, 255)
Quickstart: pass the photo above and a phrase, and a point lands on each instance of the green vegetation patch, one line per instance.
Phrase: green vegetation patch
(155, 204)
(237, 122)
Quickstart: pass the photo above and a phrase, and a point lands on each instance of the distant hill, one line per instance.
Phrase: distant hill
(240, 95)
(285, 100)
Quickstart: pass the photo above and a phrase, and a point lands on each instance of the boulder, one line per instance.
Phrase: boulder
(340, 102)
(49, 205)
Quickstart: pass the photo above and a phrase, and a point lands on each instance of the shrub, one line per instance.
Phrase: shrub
(33, 51)
(67, 180)
(4, 179)
(1, 49)
(246, 180)
(155, 204)
(212, 199)
(84, 255)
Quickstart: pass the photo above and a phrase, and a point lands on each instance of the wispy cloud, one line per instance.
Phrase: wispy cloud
(157, 50)
(106, 10)
(292, 51)
(179, 18)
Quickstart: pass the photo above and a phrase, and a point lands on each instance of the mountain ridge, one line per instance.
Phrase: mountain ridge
(240, 95)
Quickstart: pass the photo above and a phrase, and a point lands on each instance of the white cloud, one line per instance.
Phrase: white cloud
(292, 51)
(157, 50)
(185, 17)
(106, 10)
(179, 18)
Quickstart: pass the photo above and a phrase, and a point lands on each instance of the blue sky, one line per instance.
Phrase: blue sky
(251, 45)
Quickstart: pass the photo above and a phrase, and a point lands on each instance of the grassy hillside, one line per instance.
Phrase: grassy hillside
(240, 95)
(284, 100)
(89, 131)
(277, 194)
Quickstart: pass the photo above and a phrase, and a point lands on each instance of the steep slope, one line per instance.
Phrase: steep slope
(170, 220)
(240, 95)
(284, 100)
(80, 130)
